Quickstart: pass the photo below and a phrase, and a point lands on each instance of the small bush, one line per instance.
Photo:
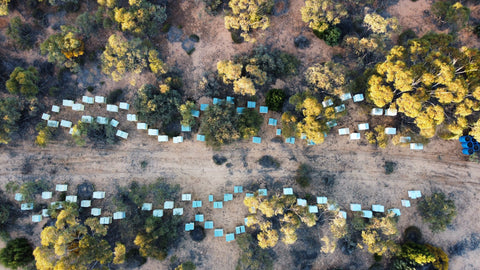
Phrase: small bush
(166, 27)
(252, 256)
(405, 36)
(412, 234)
(114, 96)
(302, 176)
(212, 7)
(198, 234)
(331, 36)
(476, 30)
(236, 37)
(21, 33)
(249, 123)
(90, 89)
(219, 160)
(389, 167)
(194, 38)
(269, 162)
(17, 253)
(275, 99)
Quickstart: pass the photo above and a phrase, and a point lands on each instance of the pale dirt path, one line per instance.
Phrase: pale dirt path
(358, 169)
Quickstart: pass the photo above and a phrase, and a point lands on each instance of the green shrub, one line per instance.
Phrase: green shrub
(212, 7)
(269, 162)
(194, 38)
(389, 167)
(236, 37)
(45, 133)
(405, 36)
(219, 124)
(331, 36)
(10, 112)
(249, 123)
(452, 12)
(186, 266)
(23, 81)
(114, 96)
(437, 210)
(275, 99)
(156, 108)
(21, 33)
(17, 253)
(476, 30)
(302, 176)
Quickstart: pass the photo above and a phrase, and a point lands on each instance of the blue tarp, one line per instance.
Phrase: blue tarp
(200, 138)
(189, 226)
(263, 109)
(290, 140)
(262, 192)
(237, 189)
(240, 110)
(186, 128)
(251, 104)
(203, 107)
(199, 218)
(216, 101)
(257, 140)
(230, 100)
(217, 205)
(240, 229)
(210, 198)
(279, 132)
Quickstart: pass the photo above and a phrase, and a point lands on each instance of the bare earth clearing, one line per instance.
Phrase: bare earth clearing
(357, 166)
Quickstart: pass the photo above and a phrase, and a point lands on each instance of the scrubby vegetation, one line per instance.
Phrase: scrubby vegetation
(437, 210)
(17, 253)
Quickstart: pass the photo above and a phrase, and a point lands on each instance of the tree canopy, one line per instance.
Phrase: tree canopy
(72, 245)
(23, 81)
(17, 253)
(64, 48)
(155, 107)
(122, 56)
(220, 124)
(248, 15)
(431, 82)
(141, 17)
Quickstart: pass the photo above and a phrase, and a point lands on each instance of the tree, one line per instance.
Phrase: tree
(17, 253)
(377, 136)
(155, 107)
(21, 33)
(4, 7)
(23, 81)
(186, 112)
(282, 208)
(141, 17)
(379, 235)
(186, 266)
(329, 77)
(275, 99)
(311, 109)
(437, 210)
(252, 256)
(64, 48)
(10, 113)
(323, 15)
(430, 81)
(248, 15)
(413, 255)
(157, 236)
(220, 124)
(122, 56)
(69, 244)
(452, 12)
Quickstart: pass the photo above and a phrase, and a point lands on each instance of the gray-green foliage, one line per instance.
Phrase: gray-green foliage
(249, 123)
(219, 124)
(29, 189)
(452, 12)
(141, 17)
(252, 256)
(97, 133)
(21, 33)
(156, 108)
(437, 210)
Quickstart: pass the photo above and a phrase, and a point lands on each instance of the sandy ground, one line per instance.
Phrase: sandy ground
(357, 166)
